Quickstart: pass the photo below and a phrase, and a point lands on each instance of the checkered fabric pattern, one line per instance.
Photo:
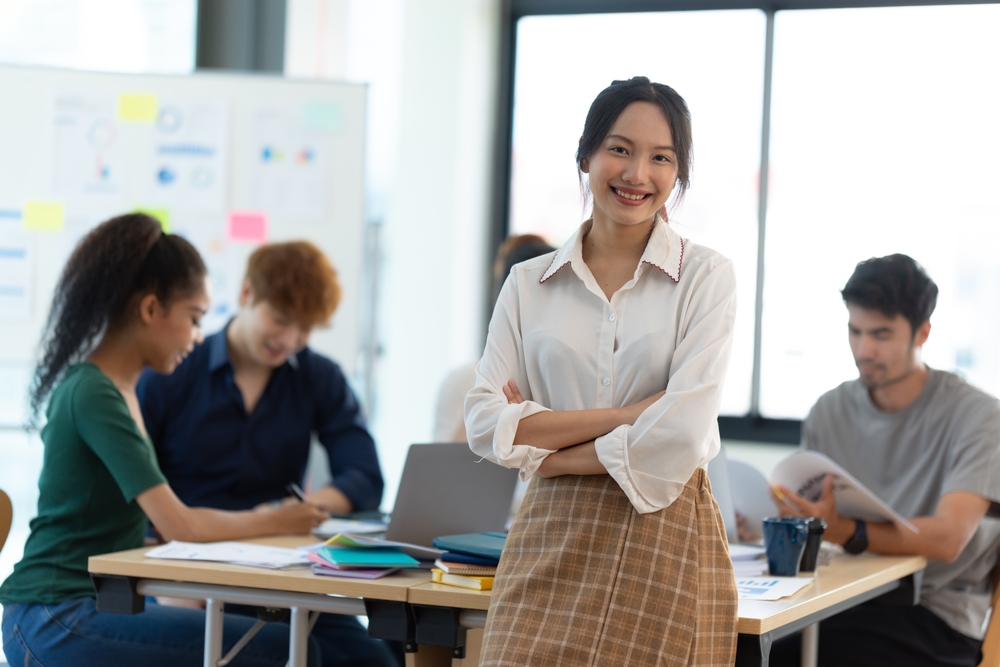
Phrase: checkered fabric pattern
(586, 580)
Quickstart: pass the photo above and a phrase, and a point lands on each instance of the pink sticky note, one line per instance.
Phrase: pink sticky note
(247, 226)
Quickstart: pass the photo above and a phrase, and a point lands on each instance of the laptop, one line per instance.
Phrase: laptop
(445, 490)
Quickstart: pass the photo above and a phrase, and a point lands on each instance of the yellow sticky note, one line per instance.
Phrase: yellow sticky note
(137, 107)
(44, 216)
(161, 214)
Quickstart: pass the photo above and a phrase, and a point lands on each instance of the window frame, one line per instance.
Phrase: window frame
(752, 426)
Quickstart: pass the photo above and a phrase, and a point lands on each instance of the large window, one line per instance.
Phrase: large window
(106, 35)
(883, 139)
(715, 61)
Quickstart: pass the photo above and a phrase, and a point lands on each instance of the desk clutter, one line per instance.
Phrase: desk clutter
(468, 561)
(459, 560)
(748, 560)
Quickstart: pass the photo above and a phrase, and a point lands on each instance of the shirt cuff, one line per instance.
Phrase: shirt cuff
(356, 486)
(612, 452)
(507, 452)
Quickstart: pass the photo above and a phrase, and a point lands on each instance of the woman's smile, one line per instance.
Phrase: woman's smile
(630, 197)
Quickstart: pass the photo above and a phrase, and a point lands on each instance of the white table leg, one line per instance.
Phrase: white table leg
(298, 637)
(213, 632)
(810, 645)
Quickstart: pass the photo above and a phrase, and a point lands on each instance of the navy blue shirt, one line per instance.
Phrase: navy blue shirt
(216, 455)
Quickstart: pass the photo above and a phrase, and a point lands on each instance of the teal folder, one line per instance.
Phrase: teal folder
(367, 558)
(475, 544)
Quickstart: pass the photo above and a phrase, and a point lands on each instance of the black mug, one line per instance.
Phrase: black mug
(811, 553)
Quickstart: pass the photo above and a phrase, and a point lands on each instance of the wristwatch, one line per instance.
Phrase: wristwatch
(859, 540)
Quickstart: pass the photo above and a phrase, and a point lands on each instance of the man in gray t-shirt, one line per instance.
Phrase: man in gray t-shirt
(928, 444)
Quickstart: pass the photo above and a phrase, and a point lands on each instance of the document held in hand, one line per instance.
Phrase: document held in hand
(803, 472)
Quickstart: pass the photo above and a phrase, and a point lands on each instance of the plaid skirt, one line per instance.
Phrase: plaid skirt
(586, 580)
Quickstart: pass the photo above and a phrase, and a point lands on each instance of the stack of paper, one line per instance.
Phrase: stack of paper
(331, 527)
(359, 558)
(237, 553)
(748, 560)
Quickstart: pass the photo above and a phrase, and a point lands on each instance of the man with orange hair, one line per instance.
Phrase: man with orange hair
(232, 426)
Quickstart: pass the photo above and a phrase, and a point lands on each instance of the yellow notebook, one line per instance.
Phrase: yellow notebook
(464, 581)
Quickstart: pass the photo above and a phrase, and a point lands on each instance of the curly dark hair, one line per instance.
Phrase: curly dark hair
(893, 285)
(125, 257)
(611, 102)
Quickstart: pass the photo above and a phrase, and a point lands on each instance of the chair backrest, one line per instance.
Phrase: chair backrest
(991, 641)
(6, 515)
(718, 475)
(750, 495)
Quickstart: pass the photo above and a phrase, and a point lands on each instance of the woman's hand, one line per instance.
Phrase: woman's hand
(512, 393)
(560, 430)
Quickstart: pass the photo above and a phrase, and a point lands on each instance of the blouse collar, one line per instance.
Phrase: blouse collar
(665, 251)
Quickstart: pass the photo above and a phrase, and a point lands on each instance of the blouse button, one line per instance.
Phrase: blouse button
(612, 318)
(606, 382)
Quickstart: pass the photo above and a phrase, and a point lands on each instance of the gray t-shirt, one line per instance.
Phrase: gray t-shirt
(947, 440)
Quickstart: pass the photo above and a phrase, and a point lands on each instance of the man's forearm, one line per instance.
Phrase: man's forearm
(332, 500)
(937, 538)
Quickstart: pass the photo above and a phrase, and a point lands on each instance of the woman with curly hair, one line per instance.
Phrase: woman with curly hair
(130, 297)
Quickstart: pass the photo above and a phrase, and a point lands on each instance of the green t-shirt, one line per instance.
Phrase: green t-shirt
(96, 462)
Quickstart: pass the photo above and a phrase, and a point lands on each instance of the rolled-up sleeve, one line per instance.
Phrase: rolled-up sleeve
(654, 458)
(490, 423)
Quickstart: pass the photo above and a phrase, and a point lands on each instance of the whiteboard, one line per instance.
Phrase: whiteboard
(226, 160)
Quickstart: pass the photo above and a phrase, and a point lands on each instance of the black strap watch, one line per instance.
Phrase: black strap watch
(859, 540)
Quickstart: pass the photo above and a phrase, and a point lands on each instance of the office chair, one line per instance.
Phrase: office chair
(991, 642)
(6, 515)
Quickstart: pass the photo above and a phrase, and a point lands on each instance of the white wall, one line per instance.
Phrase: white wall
(432, 67)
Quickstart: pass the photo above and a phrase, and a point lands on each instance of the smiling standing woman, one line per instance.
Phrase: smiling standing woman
(601, 380)
(130, 297)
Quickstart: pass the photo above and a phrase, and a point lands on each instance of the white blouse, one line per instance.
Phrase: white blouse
(567, 347)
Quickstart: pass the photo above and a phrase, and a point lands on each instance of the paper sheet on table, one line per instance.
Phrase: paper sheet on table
(803, 472)
(770, 588)
(331, 527)
(237, 553)
(745, 552)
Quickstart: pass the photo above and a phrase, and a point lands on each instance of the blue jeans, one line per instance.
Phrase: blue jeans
(75, 634)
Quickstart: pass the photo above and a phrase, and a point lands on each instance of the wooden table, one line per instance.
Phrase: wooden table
(847, 582)
(123, 580)
(443, 624)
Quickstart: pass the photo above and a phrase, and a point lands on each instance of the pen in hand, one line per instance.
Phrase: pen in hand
(295, 490)
(781, 496)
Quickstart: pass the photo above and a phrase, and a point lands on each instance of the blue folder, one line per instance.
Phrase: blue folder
(367, 558)
(488, 545)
